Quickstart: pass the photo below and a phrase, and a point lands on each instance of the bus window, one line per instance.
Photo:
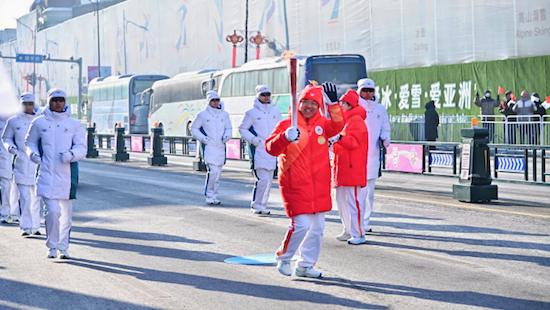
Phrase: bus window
(280, 81)
(238, 85)
(215, 83)
(337, 73)
(91, 95)
(140, 85)
(110, 92)
(118, 92)
(124, 91)
(227, 83)
(103, 90)
(251, 83)
(266, 78)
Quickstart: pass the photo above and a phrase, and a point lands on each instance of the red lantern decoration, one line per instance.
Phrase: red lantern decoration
(234, 39)
(258, 40)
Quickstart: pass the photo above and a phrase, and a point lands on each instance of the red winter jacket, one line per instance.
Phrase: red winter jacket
(350, 153)
(304, 167)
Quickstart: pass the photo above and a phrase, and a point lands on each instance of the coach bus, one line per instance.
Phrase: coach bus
(117, 99)
(175, 102)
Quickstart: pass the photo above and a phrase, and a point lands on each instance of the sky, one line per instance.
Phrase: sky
(10, 9)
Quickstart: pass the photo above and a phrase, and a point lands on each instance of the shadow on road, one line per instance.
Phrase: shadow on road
(205, 283)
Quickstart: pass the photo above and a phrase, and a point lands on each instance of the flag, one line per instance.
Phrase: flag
(500, 90)
(547, 99)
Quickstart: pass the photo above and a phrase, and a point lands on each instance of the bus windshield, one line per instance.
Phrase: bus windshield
(141, 85)
(337, 73)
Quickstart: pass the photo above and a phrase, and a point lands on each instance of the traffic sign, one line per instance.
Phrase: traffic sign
(28, 58)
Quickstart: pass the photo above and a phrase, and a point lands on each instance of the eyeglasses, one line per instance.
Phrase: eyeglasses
(28, 103)
(265, 94)
(215, 99)
(367, 90)
(58, 99)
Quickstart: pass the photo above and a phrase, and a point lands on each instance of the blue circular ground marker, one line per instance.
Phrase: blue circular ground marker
(259, 259)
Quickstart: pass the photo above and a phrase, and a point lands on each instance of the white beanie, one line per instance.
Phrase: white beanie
(212, 95)
(365, 83)
(262, 89)
(56, 92)
(27, 97)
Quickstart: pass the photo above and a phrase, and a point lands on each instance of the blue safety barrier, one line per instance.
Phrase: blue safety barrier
(510, 164)
(442, 160)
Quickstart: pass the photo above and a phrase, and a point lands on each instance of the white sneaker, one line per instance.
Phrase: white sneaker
(209, 200)
(52, 253)
(15, 218)
(284, 267)
(3, 219)
(307, 272)
(343, 237)
(357, 241)
(216, 201)
(26, 232)
(63, 254)
(255, 211)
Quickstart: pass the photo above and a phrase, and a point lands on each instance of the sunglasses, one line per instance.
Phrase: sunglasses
(265, 94)
(28, 103)
(367, 90)
(58, 99)
(216, 100)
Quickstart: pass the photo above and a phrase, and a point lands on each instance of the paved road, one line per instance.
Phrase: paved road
(143, 238)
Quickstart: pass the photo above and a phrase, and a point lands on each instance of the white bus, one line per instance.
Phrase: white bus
(117, 99)
(175, 102)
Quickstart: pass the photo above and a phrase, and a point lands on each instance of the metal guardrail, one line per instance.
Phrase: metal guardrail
(508, 161)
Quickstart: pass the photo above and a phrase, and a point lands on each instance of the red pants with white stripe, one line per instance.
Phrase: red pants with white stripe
(351, 208)
(306, 234)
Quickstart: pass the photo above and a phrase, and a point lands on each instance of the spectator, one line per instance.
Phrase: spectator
(488, 105)
(524, 107)
(212, 128)
(54, 141)
(507, 108)
(304, 177)
(540, 111)
(431, 122)
(257, 125)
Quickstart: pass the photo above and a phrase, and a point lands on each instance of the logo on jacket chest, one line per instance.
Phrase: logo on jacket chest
(319, 130)
(66, 130)
(17, 128)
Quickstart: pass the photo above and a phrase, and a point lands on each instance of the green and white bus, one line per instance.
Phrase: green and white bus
(117, 99)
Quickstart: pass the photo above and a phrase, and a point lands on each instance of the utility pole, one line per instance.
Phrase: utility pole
(246, 35)
(98, 46)
(34, 53)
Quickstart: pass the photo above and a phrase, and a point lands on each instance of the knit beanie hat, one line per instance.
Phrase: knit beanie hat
(365, 83)
(27, 97)
(350, 97)
(262, 89)
(56, 92)
(312, 92)
(212, 95)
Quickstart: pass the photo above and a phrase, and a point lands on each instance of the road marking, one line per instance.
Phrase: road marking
(141, 286)
(12, 305)
(463, 206)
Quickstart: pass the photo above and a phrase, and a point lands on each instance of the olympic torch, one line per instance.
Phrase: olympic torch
(292, 70)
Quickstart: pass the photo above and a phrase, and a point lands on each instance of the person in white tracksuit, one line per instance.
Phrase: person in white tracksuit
(257, 125)
(212, 128)
(10, 204)
(54, 141)
(24, 170)
(378, 125)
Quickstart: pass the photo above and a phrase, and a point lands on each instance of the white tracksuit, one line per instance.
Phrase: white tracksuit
(214, 124)
(306, 234)
(351, 208)
(10, 204)
(257, 125)
(24, 170)
(58, 132)
(378, 125)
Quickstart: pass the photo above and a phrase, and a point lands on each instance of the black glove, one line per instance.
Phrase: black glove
(330, 90)
(498, 98)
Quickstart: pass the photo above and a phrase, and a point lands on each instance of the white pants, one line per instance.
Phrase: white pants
(10, 196)
(260, 195)
(213, 181)
(351, 208)
(367, 193)
(59, 219)
(305, 233)
(30, 207)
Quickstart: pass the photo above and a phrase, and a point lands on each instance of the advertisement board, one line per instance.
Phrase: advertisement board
(404, 158)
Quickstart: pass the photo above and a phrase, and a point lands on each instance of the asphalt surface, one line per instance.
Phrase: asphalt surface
(143, 238)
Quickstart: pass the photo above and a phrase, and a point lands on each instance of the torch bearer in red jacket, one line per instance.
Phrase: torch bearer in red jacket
(234, 38)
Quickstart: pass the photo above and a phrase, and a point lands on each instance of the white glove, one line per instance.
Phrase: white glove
(226, 138)
(35, 158)
(256, 141)
(13, 149)
(334, 139)
(205, 140)
(66, 156)
(386, 143)
(292, 134)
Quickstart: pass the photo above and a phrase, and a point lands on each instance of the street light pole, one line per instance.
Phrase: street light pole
(98, 46)
(34, 53)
